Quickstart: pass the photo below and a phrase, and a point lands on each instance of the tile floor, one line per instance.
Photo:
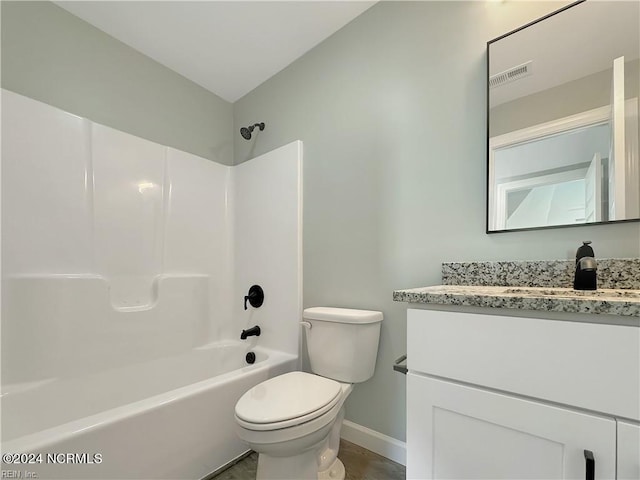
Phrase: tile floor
(361, 464)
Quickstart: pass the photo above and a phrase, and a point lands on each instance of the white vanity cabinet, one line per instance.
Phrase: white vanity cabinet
(628, 451)
(498, 397)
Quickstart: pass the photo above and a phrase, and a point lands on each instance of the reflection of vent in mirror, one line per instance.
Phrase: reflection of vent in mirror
(510, 75)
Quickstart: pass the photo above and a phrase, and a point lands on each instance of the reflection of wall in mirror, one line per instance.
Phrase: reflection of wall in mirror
(558, 151)
(543, 181)
(554, 154)
(594, 90)
(561, 101)
(571, 69)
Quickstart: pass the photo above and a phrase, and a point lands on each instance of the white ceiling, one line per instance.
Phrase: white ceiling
(227, 47)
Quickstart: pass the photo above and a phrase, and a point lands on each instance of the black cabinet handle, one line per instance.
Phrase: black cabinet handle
(589, 465)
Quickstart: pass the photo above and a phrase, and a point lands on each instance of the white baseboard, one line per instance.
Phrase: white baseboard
(377, 442)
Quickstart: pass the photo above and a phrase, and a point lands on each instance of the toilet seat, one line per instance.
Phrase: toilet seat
(287, 400)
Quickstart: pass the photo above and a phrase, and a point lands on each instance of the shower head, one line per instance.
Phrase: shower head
(246, 131)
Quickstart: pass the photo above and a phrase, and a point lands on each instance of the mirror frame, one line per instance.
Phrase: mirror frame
(572, 225)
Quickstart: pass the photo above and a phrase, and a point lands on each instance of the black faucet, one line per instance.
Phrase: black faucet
(586, 276)
(250, 332)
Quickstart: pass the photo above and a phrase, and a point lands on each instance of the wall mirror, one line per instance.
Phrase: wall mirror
(562, 111)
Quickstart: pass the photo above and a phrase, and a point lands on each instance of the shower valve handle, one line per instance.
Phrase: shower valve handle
(255, 297)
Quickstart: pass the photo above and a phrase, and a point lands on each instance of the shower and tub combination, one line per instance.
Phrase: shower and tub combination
(125, 267)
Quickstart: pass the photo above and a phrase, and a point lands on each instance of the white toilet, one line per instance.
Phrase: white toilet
(293, 420)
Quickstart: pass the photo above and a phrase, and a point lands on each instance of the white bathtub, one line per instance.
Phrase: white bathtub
(170, 418)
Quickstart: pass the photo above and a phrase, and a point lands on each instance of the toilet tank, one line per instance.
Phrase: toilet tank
(343, 343)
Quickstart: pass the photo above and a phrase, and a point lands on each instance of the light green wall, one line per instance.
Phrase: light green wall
(391, 110)
(57, 58)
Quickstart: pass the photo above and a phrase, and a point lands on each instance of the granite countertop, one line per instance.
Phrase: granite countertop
(605, 301)
(534, 285)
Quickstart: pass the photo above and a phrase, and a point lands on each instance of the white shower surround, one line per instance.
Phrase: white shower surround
(120, 255)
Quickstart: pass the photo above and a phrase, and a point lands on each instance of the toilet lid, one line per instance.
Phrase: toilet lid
(286, 397)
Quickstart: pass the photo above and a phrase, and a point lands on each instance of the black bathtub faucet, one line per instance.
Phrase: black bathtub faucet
(250, 332)
(586, 268)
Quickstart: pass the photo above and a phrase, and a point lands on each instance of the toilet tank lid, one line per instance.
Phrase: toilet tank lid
(342, 315)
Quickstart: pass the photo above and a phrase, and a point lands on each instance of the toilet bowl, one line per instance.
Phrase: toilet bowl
(293, 420)
(289, 420)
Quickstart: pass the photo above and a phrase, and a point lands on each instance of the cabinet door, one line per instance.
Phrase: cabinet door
(628, 451)
(456, 431)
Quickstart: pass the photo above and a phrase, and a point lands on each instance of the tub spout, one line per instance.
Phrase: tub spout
(250, 332)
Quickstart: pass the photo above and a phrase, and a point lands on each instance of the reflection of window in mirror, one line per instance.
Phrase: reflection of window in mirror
(563, 119)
